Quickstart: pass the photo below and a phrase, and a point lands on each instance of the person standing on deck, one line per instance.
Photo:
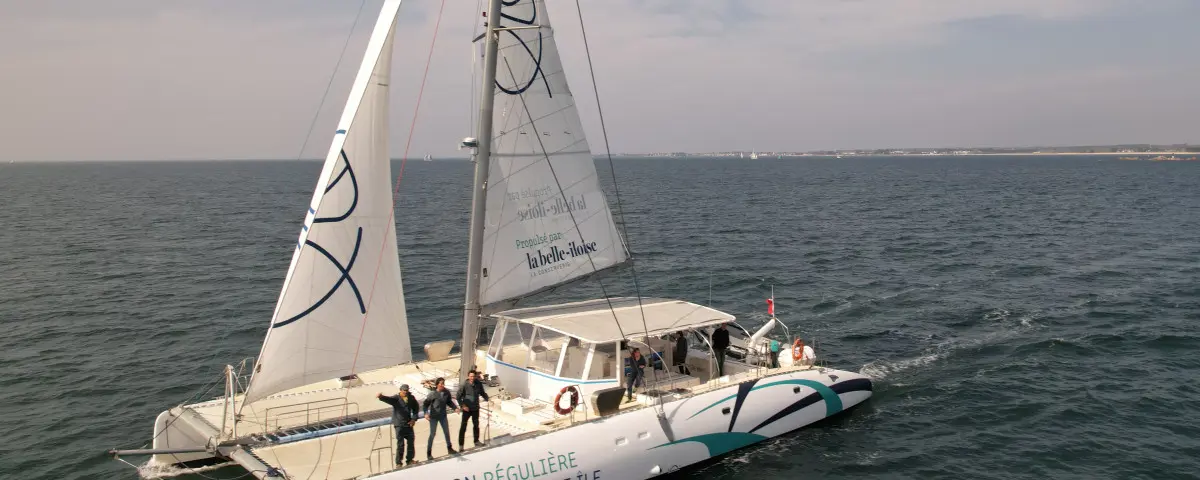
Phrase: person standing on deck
(437, 406)
(468, 401)
(679, 356)
(720, 341)
(404, 416)
(637, 371)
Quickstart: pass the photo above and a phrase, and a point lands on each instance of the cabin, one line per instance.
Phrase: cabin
(535, 352)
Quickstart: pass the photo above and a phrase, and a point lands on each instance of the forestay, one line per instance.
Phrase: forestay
(341, 309)
(547, 220)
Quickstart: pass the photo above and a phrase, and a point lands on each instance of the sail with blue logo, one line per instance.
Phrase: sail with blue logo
(547, 220)
(341, 309)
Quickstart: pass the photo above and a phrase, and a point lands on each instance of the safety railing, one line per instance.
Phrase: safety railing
(306, 413)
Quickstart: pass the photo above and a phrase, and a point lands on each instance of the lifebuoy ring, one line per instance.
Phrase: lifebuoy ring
(574, 400)
(797, 350)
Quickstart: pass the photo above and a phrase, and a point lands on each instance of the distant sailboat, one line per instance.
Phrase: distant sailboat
(428, 157)
(556, 373)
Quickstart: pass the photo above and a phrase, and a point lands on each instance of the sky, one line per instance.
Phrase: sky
(225, 79)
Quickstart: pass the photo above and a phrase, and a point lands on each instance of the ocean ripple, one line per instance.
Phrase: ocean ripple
(1022, 318)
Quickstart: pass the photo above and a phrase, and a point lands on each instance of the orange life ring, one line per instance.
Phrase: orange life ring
(574, 400)
(797, 350)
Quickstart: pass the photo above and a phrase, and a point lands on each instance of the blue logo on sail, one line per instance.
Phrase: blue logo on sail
(537, 58)
(344, 278)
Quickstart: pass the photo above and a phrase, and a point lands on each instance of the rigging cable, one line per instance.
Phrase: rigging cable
(332, 75)
(612, 170)
(519, 94)
(299, 155)
(316, 115)
(563, 193)
(391, 218)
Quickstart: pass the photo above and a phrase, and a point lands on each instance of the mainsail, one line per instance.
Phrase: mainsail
(547, 220)
(341, 309)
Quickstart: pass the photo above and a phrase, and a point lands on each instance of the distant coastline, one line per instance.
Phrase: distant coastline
(952, 154)
(1131, 152)
(1159, 152)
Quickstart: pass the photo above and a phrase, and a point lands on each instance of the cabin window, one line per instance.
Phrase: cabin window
(494, 348)
(574, 359)
(545, 350)
(698, 340)
(487, 330)
(514, 344)
(604, 362)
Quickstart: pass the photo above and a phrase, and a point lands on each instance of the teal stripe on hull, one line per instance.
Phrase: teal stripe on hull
(833, 403)
(720, 443)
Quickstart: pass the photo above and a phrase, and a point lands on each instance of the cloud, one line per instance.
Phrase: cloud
(169, 79)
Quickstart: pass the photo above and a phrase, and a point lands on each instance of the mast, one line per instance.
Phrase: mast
(483, 156)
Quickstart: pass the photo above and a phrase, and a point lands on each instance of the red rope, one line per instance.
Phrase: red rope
(392, 217)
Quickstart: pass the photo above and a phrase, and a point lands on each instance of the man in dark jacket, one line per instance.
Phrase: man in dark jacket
(720, 340)
(679, 357)
(468, 401)
(437, 406)
(404, 416)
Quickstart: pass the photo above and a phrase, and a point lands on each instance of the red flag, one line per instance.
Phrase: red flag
(770, 307)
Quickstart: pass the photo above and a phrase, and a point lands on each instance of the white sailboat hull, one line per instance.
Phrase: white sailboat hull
(629, 444)
(633, 444)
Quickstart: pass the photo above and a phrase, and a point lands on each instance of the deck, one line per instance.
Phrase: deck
(328, 430)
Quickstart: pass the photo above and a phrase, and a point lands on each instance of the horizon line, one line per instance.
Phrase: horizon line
(1165, 148)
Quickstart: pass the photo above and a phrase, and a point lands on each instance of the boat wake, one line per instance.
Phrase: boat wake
(1008, 328)
(152, 469)
(879, 370)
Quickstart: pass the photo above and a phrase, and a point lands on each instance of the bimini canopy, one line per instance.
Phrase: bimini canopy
(593, 320)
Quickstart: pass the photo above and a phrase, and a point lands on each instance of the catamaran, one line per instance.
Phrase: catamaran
(556, 374)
